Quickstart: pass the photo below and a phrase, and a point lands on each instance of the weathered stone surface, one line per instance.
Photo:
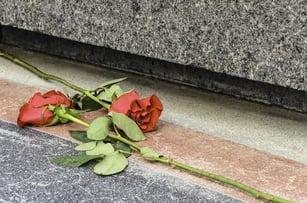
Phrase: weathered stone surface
(26, 175)
(262, 41)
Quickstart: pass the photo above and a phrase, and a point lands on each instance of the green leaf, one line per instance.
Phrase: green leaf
(111, 94)
(99, 128)
(73, 161)
(89, 104)
(122, 147)
(106, 95)
(111, 82)
(126, 124)
(111, 164)
(75, 112)
(117, 90)
(101, 149)
(79, 135)
(149, 153)
(86, 146)
(76, 101)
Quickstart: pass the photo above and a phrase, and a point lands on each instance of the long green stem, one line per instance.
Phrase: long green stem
(39, 73)
(74, 119)
(162, 159)
(46, 76)
(124, 140)
(256, 193)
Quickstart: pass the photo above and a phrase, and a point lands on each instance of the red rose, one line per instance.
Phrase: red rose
(36, 112)
(145, 112)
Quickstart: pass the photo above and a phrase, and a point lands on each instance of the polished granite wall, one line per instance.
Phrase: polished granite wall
(262, 41)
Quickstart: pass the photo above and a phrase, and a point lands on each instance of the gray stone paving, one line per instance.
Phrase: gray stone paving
(26, 175)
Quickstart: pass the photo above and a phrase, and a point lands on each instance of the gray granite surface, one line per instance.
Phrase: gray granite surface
(258, 40)
(26, 175)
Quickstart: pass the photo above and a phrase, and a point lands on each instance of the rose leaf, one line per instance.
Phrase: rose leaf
(122, 147)
(101, 149)
(111, 164)
(149, 153)
(73, 161)
(86, 146)
(89, 104)
(111, 82)
(111, 94)
(117, 90)
(99, 128)
(79, 135)
(126, 124)
(106, 95)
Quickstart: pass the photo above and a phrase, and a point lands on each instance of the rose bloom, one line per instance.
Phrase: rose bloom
(36, 110)
(145, 112)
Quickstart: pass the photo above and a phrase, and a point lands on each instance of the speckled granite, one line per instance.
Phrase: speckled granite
(27, 176)
(258, 40)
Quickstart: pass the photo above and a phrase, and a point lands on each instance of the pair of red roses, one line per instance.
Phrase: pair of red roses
(145, 112)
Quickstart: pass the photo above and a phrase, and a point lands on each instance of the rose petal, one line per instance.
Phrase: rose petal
(152, 100)
(55, 97)
(37, 100)
(146, 117)
(49, 98)
(135, 106)
(123, 103)
(145, 112)
(145, 102)
(155, 102)
(36, 112)
(30, 115)
(154, 117)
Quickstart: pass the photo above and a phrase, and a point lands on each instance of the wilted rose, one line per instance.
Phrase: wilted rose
(36, 110)
(145, 112)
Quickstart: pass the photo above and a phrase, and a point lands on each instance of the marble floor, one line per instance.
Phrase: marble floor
(259, 145)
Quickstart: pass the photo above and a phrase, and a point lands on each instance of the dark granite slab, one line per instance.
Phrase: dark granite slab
(163, 70)
(27, 176)
(257, 40)
(250, 49)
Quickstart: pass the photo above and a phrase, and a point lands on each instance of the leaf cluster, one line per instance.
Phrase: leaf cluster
(97, 144)
(106, 92)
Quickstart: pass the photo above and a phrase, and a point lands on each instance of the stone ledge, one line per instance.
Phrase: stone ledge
(183, 74)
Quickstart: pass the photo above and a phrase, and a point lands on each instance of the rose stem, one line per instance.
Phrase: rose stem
(40, 73)
(46, 76)
(256, 193)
